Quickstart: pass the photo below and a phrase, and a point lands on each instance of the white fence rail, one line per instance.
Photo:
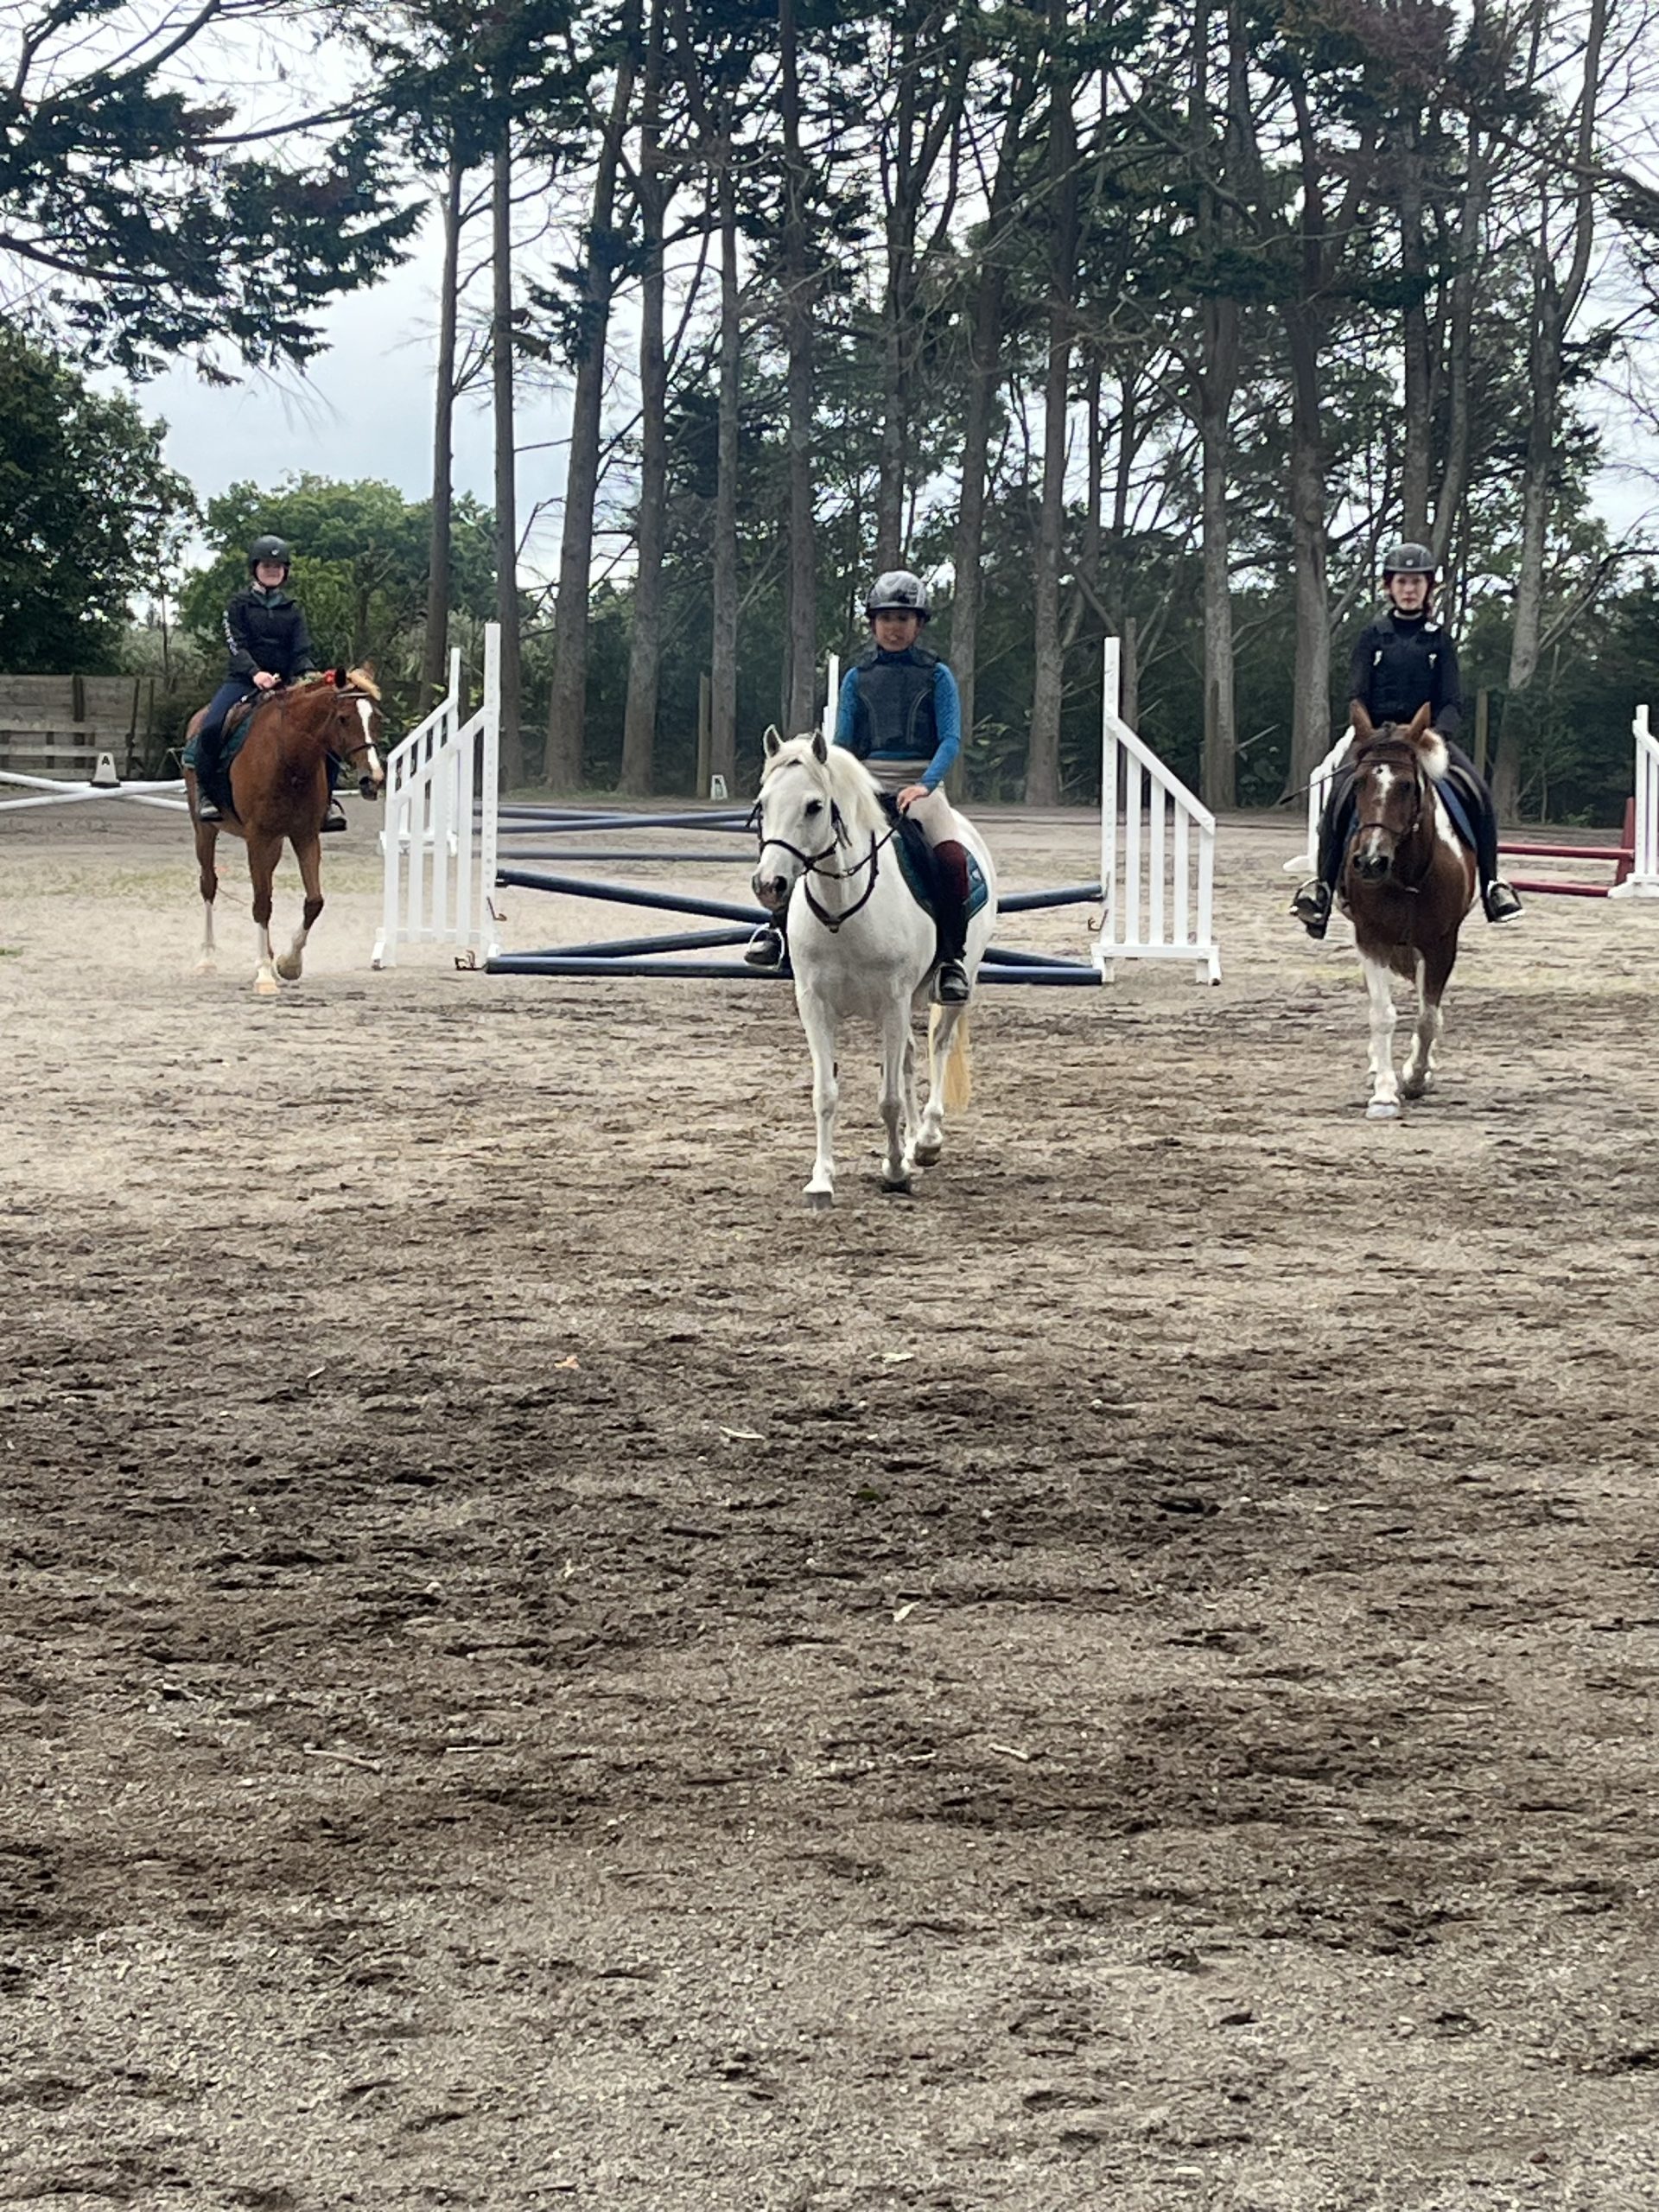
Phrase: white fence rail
(1157, 853)
(440, 834)
(1642, 881)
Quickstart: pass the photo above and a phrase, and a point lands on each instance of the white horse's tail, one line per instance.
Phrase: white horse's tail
(959, 1061)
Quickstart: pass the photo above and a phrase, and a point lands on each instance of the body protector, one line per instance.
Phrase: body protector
(1403, 662)
(894, 719)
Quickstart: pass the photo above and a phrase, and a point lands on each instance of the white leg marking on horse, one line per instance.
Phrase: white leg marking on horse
(895, 1036)
(265, 983)
(819, 1023)
(291, 966)
(1385, 1090)
(205, 963)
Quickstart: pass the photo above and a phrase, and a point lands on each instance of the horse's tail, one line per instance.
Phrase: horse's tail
(959, 1061)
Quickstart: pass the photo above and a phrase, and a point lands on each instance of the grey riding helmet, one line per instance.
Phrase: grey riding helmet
(274, 550)
(1409, 560)
(897, 592)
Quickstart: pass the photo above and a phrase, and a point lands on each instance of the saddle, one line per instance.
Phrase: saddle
(1462, 800)
(927, 880)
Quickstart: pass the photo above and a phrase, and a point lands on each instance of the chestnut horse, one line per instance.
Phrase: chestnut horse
(279, 788)
(1408, 882)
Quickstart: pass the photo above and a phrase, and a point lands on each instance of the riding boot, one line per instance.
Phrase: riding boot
(1500, 902)
(951, 985)
(207, 808)
(766, 949)
(335, 817)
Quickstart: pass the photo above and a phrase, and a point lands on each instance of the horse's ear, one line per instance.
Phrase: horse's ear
(820, 750)
(772, 740)
(339, 678)
(1363, 725)
(1418, 724)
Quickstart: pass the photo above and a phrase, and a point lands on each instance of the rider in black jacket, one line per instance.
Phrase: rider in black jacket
(268, 644)
(1403, 661)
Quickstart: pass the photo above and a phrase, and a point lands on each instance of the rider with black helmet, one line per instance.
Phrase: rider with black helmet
(900, 712)
(268, 644)
(1403, 661)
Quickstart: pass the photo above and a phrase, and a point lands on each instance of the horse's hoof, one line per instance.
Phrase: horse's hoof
(929, 1155)
(205, 968)
(819, 1201)
(290, 970)
(266, 987)
(1382, 1109)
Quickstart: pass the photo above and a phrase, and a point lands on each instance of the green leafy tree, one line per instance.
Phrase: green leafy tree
(146, 223)
(89, 513)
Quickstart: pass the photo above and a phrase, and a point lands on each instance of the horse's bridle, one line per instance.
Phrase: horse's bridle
(366, 744)
(813, 863)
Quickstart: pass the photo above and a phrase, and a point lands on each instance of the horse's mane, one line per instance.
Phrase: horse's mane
(356, 679)
(849, 782)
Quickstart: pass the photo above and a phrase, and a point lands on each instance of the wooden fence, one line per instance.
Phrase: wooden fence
(57, 725)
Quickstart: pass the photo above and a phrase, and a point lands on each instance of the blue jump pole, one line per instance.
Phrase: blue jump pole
(582, 860)
(626, 948)
(544, 963)
(630, 894)
(1027, 902)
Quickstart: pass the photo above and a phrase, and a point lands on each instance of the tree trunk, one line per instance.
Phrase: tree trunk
(507, 502)
(984, 375)
(435, 652)
(1310, 732)
(646, 645)
(801, 644)
(1556, 298)
(1418, 365)
(567, 701)
(722, 756)
(1048, 676)
(1218, 378)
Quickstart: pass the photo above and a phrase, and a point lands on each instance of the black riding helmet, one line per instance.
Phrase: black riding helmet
(1409, 560)
(274, 550)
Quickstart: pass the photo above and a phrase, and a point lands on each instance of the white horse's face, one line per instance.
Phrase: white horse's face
(798, 824)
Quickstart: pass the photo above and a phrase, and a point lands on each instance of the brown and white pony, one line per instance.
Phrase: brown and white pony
(1407, 880)
(279, 788)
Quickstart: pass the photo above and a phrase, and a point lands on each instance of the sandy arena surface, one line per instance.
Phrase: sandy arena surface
(535, 1671)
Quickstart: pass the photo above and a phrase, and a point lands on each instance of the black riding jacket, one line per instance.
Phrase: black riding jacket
(1403, 662)
(265, 630)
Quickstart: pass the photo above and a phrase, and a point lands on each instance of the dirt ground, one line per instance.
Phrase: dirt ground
(536, 1671)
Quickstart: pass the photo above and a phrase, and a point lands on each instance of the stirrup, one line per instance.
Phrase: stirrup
(207, 809)
(335, 817)
(765, 948)
(951, 985)
(1312, 907)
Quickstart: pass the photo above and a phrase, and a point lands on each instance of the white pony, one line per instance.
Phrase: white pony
(860, 944)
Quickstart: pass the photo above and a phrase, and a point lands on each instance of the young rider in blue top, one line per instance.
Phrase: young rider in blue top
(899, 711)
